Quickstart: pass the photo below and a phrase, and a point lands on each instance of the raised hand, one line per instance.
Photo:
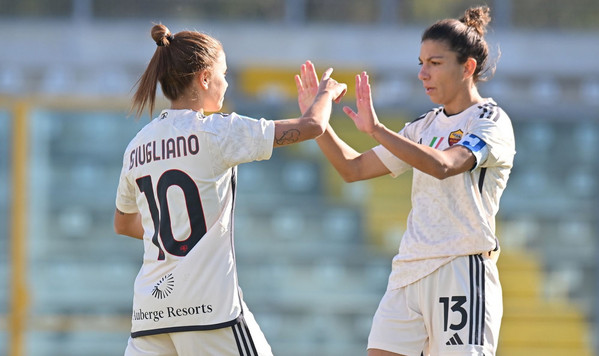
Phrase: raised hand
(365, 119)
(329, 84)
(307, 86)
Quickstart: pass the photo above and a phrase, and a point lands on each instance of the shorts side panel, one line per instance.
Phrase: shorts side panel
(242, 339)
(456, 310)
(152, 345)
(398, 325)
(462, 307)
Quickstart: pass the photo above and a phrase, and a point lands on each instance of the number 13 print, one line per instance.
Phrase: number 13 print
(457, 306)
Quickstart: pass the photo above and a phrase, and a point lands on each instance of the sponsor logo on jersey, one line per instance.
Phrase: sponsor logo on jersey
(164, 287)
(171, 312)
(455, 340)
(455, 137)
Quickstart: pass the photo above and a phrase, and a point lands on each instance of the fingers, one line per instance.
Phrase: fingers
(363, 94)
(358, 85)
(349, 112)
(308, 81)
(327, 74)
(298, 83)
(365, 88)
(303, 73)
(308, 78)
(310, 75)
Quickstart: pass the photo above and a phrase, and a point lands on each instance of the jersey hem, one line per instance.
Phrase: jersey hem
(397, 282)
(383, 346)
(175, 329)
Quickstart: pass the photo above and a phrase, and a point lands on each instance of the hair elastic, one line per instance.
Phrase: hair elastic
(160, 43)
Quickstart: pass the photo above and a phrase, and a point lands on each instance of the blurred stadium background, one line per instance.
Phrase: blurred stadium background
(314, 253)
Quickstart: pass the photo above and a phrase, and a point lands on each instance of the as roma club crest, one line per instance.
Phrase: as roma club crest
(455, 137)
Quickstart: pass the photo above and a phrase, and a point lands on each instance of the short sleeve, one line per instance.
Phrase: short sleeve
(125, 196)
(494, 128)
(245, 139)
(395, 165)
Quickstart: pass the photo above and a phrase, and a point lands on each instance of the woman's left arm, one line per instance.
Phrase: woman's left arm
(439, 164)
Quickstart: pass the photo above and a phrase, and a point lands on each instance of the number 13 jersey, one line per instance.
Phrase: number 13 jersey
(179, 173)
(455, 216)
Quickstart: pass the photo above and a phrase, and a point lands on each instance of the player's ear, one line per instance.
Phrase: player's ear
(203, 79)
(469, 67)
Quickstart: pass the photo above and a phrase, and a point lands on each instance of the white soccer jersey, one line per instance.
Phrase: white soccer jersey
(179, 172)
(454, 216)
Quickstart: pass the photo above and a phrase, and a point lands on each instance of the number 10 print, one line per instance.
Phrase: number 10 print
(161, 215)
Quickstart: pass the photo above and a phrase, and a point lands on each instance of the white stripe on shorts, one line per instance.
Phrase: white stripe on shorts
(477, 300)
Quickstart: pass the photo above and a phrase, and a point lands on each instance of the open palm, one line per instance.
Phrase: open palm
(365, 119)
(307, 86)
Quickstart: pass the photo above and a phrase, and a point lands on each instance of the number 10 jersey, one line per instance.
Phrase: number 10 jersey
(179, 173)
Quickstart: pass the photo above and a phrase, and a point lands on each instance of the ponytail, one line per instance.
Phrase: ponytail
(174, 64)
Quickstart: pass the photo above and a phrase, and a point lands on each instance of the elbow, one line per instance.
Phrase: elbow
(350, 178)
(353, 170)
(350, 175)
(315, 127)
(346, 174)
(442, 172)
(450, 165)
(320, 128)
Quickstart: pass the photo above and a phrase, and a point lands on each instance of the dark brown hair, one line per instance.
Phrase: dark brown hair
(176, 60)
(466, 37)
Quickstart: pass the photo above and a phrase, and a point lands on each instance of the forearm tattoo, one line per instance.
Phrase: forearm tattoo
(288, 137)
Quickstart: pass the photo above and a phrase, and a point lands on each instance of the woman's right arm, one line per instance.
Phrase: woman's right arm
(315, 119)
(351, 165)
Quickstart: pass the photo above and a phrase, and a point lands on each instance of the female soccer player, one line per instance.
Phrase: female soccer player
(443, 295)
(177, 193)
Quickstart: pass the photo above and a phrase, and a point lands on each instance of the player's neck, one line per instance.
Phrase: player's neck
(184, 104)
(463, 102)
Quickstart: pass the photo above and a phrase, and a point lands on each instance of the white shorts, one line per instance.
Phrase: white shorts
(243, 339)
(455, 310)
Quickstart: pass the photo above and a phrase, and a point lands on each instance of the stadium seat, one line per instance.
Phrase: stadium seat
(532, 325)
